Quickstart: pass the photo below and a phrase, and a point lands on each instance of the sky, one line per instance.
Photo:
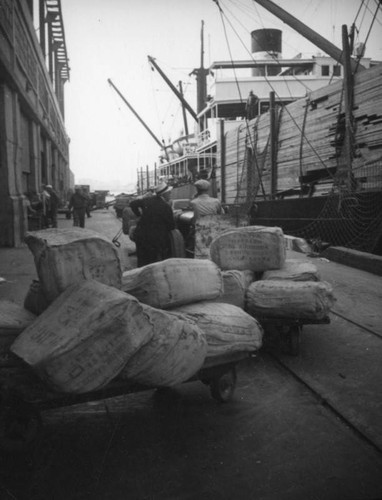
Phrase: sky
(112, 39)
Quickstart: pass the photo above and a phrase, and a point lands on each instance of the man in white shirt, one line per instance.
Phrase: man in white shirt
(204, 204)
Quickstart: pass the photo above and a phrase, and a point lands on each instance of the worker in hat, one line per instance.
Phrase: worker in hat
(204, 204)
(156, 220)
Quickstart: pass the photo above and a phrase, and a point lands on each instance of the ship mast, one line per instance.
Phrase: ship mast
(309, 34)
(201, 75)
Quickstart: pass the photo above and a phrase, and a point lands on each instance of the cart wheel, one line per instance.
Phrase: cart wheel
(292, 340)
(223, 387)
(20, 424)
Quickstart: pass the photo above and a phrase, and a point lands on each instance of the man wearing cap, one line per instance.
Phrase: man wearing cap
(203, 203)
(156, 220)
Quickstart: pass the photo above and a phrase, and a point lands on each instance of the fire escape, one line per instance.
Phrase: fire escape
(52, 41)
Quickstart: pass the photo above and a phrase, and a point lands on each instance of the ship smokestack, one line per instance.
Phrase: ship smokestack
(266, 44)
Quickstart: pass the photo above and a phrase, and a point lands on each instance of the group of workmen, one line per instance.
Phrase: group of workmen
(43, 206)
(155, 216)
(156, 219)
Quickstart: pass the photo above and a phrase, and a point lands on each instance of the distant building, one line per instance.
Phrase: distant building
(34, 146)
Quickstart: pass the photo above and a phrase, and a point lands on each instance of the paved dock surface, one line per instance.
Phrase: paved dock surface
(298, 427)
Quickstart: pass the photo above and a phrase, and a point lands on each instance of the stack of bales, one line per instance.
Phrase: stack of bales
(156, 325)
(192, 288)
(283, 288)
(97, 324)
(91, 332)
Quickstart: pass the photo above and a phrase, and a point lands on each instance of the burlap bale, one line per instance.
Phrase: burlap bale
(290, 299)
(85, 337)
(252, 247)
(294, 270)
(66, 256)
(14, 319)
(175, 352)
(208, 227)
(227, 327)
(174, 282)
(235, 284)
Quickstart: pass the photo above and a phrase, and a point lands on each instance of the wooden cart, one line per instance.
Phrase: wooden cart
(23, 396)
(288, 331)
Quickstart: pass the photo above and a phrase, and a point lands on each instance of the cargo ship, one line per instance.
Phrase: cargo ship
(308, 159)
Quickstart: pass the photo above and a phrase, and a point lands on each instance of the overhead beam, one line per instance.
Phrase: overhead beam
(311, 35)
(173, 88)
(136, 114)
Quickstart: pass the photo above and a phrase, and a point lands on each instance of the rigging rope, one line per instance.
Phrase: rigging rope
(266, 79)
(371, 25)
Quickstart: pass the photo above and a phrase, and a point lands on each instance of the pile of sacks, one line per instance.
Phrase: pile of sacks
(278, 288)
(97, 324)
(156, 325)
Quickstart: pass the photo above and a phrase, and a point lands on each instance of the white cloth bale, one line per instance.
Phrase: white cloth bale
(174, 282)
(66, 256)
(295, 270)
(290, 299)
(85, 337)
(175, 352)
(252, 247)
(227, 327)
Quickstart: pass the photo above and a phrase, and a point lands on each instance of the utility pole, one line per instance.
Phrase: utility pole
(348, 98)
(273, 143)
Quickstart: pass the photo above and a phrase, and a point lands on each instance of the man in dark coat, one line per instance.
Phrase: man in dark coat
(78, 203)
(156, 220)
